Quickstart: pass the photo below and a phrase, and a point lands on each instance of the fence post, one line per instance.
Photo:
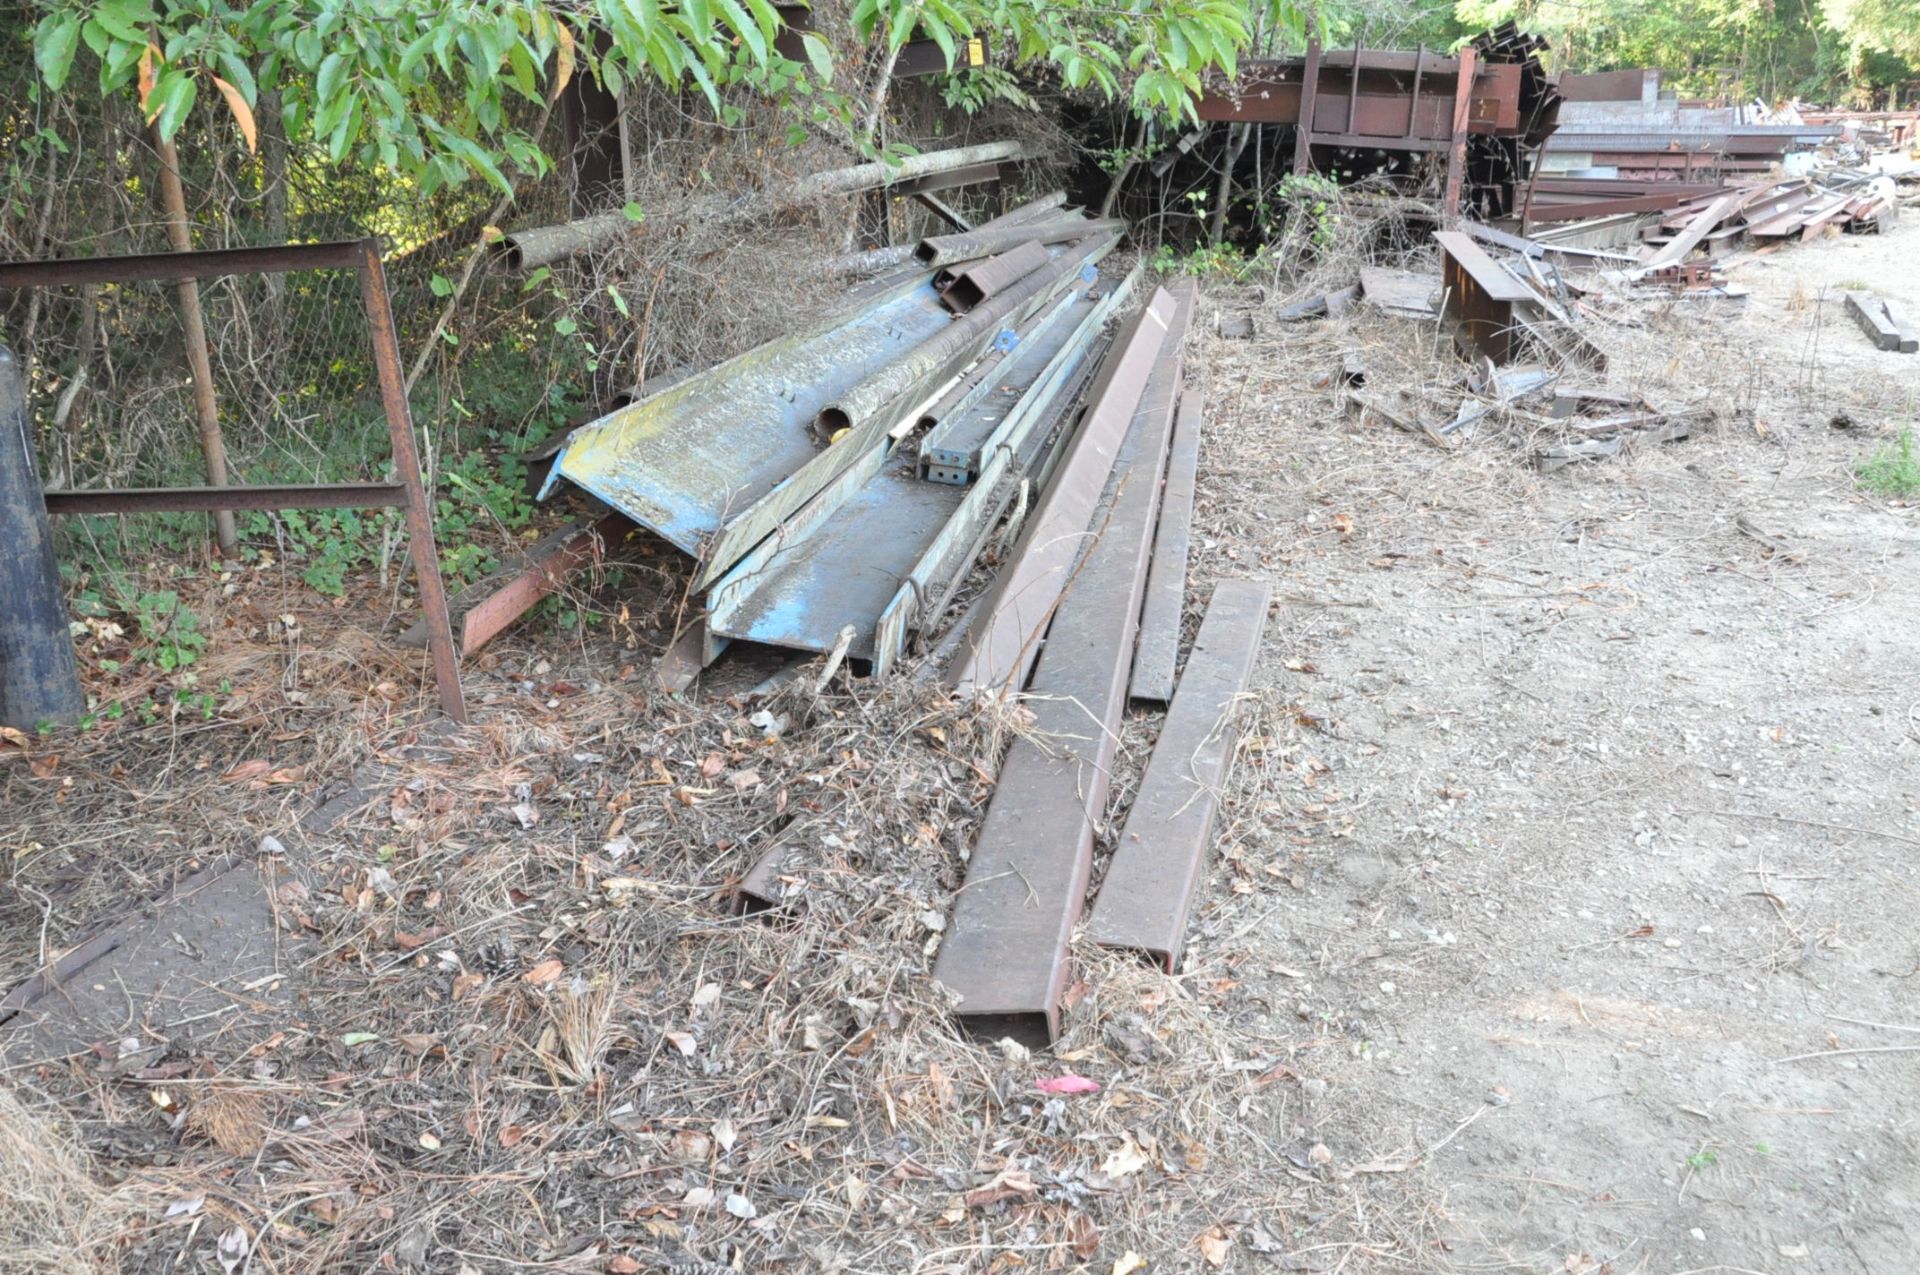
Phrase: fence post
(39, 681)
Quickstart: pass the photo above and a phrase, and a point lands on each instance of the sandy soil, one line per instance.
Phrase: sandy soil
(1596, 862)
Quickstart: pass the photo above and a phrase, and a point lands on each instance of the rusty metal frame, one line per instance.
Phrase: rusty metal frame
(409, 493)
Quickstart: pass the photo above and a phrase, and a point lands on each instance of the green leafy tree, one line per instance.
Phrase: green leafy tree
(427, 88)
(1891, 26)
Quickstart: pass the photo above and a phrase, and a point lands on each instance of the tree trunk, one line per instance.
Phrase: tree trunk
(273, 200)
(193, 321)
(874, 113)
(1126, 167)
(1236, 143)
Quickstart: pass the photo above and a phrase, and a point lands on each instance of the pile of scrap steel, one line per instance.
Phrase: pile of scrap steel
(834, 490)
(1620, 127)
(1361, 111)
(1085, 616)
(1521, 310)
(835, 487)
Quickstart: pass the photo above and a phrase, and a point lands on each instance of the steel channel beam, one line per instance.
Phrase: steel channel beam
(1006, 949)
(1161, 857)
(147, 500)
(171, 267)
(1001, 645)
(1160, 617)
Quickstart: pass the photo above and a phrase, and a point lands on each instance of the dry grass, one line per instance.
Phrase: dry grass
(591, 1058)
(54, 1216)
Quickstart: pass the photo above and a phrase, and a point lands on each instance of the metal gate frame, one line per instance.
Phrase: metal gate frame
(409, 493)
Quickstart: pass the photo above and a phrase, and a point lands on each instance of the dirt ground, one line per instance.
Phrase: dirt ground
(1570, 816)
(1612, 814)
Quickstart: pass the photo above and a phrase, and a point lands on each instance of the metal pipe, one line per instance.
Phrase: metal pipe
(875, 259)
(544, 245)
(976, 325)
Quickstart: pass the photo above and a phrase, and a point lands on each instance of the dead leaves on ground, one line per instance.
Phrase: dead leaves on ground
(260, 773)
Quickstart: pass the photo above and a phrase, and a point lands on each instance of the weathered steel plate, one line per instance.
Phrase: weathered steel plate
(1162, 854)
(680, 460)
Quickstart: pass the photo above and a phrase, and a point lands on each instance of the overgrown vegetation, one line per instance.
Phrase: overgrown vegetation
(1893, 469)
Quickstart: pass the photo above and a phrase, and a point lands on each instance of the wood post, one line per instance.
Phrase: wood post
(39, 681)
(193, 321)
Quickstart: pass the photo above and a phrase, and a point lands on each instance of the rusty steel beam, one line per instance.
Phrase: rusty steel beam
(971, 175)
(547, 566)
(147, 500)
(486, 608)
(1162, 853)
(1005, 955)
(1583, 209)
(1457, 154)
(171, 267)
(1000, 645)
(1160, 617)
(406, 467)
(962, 290)
(924, 57)
(1480, 295)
